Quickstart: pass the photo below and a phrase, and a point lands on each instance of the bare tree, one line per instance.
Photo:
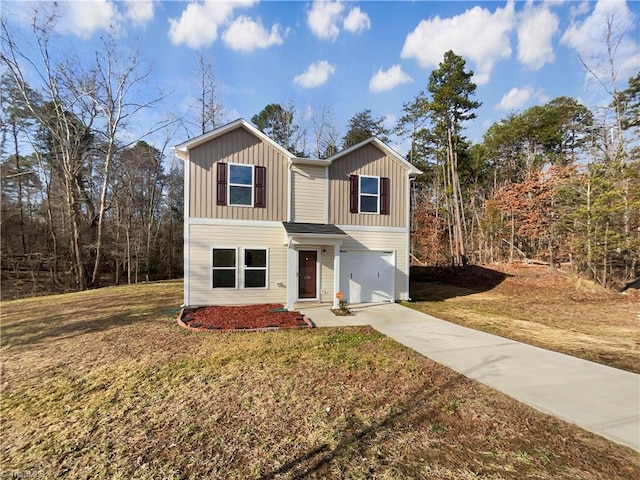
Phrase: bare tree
(112, 87)
(325, 133)
(209, 102)
(68, 132)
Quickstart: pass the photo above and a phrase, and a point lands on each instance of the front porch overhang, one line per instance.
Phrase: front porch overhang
(311, 234)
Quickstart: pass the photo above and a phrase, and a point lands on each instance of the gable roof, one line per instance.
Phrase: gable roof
(181, 150)
(382, 146)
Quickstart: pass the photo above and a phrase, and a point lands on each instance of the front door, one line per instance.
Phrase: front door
(307, 265)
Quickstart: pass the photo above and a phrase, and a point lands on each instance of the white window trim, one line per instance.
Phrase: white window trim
(240, 267)
(252, 185)
(360, 194)
(235, 269)
(244, 268)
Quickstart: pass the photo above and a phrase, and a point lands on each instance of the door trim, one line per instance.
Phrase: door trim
(318, 271)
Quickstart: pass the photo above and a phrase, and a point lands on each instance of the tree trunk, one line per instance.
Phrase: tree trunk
(95, 277)
(19, 185)
(460, 254)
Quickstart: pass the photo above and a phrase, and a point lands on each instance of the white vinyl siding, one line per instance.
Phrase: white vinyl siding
(203, 237)
(308, 188)
(326, 274)
(382, 241)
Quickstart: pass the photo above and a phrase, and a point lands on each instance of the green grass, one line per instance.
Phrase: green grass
(103, 384)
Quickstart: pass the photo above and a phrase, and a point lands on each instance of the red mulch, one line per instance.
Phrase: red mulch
(241, 318)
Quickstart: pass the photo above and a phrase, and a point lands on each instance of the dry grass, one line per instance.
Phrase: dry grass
(546, 308)
(104, 384)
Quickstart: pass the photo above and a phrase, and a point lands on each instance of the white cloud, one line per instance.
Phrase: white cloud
(357, 21)
(518, 97)
(199, 22)
(579, 9)
(535, 35)
(323, 19)
(382, 81)
(85, 18)
(477, 35)
(246, 35)
(588, 38)
(139, 11)
(316, 74)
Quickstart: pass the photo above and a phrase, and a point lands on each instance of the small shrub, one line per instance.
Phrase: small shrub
(344, 307)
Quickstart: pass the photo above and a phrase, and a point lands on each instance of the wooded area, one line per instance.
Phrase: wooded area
(84, 204)
(557, 183)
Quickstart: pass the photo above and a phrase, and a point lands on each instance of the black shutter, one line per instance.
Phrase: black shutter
(353, 198)
(221, 195)
(384, 196)
(260, 190)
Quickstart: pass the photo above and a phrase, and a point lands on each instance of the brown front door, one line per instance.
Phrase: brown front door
(307, 260)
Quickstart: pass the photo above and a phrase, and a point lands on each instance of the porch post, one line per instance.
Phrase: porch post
(292, 283)
(336, 274)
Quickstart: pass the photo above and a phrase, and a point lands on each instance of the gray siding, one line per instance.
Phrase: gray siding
(368, 160)
(237, 146)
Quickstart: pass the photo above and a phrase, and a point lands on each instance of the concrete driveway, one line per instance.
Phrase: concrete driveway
(598, 398)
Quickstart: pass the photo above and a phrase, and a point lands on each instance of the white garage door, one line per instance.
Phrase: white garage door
(367, 276)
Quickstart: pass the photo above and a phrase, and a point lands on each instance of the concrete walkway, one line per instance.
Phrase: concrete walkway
(598, 398)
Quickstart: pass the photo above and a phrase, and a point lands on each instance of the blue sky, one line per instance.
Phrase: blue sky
(353, 56)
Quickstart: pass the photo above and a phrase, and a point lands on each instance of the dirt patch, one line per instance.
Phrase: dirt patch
(242, 318)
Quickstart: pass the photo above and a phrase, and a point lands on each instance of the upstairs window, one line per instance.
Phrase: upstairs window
(369, 194)
(241, 185)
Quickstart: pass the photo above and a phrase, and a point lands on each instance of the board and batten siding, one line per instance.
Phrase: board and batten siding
(367, 160)
(203, 237)
(237, 146)
(382, 241)
(308, 191)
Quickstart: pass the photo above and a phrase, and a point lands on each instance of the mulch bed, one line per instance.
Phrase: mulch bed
(244, 318)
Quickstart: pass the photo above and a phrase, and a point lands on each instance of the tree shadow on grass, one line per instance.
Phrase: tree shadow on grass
(418, 410)
(440, 283)
(83, 318)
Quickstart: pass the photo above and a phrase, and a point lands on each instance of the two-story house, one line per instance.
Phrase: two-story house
(264, 226)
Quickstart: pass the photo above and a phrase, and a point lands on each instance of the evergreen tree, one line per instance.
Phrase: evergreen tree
(451, 105)
(363, 126)
(278, 123)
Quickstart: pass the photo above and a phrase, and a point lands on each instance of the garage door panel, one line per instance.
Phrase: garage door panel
(367, 276)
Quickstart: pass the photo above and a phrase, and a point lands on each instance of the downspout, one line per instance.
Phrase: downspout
(289, 196)
(290, 272)
(408, 220)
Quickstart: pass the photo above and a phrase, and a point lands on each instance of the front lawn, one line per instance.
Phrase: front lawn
(104, 384)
